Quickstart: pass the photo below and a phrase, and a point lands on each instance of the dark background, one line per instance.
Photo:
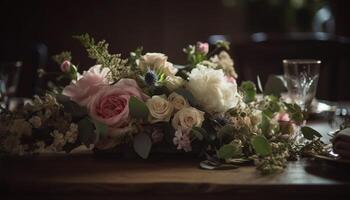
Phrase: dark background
(262, 33)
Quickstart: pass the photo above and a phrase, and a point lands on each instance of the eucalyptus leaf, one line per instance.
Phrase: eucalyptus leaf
(261, 145)
(142, 144)
(265, 124)
(226, 151)
(310, 133)
(71, 107)
(87, 133)
(187, 95)
(275, 86)
(249, 91)
(137, 108)
(197, 132)
(101, 128)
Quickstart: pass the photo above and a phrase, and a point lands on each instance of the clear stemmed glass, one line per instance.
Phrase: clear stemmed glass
(9, 78)
(301, 77)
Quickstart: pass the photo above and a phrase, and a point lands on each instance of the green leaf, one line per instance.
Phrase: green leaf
(265, 124)
(198, 133)
(87, 133)
(142, 145)
(310, 133)
(261, 145)
(187, 95)
(226, 151)
(71, 107)
(101, 128)
(137, 108)
(275, 86)
(249, 91)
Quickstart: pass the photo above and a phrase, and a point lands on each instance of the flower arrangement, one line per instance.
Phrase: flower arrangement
(145, 100)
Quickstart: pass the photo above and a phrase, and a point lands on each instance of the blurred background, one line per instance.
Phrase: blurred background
(261, 32)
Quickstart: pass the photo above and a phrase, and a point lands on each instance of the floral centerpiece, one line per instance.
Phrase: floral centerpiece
(145, 100)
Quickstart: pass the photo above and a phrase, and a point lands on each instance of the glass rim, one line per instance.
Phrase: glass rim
(301, 61)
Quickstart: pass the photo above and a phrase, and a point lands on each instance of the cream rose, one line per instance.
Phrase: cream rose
(157, 61)
(212, 90)
(174, 82)
(160, 109)
(187, 118)
(178, 101)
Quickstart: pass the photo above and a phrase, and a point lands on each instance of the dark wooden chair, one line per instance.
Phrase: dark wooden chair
(262, 54)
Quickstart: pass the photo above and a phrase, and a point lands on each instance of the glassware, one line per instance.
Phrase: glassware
(9, 78)
(301, 77)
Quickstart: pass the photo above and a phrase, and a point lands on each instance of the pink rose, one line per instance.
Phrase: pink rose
(87, 85)
(202, 47)
(110, 105)
(282, 117)
(65, 66)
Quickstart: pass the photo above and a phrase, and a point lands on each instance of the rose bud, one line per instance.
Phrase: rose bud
(202, 47)
(65, 66)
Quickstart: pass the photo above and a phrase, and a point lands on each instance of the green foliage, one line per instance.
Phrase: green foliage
(265, 124)
(194, 57)
(295, 112)
(134, 56)
(198, 132)
(310, 133)
(86, 130)
(99, 52)
(101, 128)
(187, 95)
(274, 86)
(142, 144)
(227, 151)
(60, 58)
(223, 44)
(249, 91)
(261, 145)
(137, 108)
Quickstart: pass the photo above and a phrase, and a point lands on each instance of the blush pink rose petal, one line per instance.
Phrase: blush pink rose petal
(87, 85)
(110, 105)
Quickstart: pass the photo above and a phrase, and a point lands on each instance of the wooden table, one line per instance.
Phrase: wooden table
(84, 176)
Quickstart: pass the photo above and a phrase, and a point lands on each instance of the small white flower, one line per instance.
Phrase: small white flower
(225, 62)
(21, 127)
(182, 140)
(35, 121)
(212, 90)
(160, 109)
(178, 101)
(187, 118)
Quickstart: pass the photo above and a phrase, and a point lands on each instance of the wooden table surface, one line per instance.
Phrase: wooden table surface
(90, 177)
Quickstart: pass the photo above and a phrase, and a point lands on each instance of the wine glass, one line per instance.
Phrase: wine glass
(301, 76)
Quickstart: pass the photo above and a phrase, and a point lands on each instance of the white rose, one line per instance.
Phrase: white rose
(212, 90)
(160, 109)
(174, 82)
(178, 101)
(187, 118)
(225, 62)
(157, 61)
